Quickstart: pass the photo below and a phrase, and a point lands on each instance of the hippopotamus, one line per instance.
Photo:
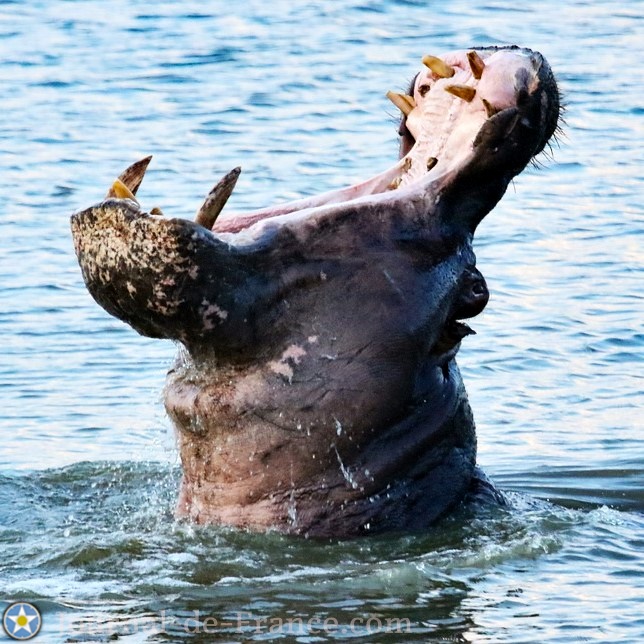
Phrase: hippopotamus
(315, 391)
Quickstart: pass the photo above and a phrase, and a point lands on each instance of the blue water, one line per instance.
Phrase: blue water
(294, 93)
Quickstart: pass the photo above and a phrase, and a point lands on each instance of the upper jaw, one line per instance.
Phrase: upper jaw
(474, 113)
(466, 88)
(490, 108)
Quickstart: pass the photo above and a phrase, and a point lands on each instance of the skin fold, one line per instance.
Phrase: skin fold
(315, 389)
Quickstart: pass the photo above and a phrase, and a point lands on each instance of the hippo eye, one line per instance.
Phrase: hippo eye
(423, 89)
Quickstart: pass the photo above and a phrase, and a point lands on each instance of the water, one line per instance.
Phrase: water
(294, 92)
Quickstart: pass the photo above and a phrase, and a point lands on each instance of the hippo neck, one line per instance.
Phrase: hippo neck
(247, 465)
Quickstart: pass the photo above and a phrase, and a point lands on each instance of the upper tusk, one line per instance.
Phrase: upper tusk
(216, 199)
(465, 92)
(476, 64)
(438, 66)
(403, 102)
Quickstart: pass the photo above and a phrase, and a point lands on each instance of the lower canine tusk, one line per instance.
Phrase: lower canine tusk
(216, 199)
(489, 108)
(131, 177)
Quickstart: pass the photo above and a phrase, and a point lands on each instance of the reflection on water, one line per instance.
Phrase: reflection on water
(294, 92)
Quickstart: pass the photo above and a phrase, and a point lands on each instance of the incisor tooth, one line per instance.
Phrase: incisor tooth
(216, 199)
(121, 191)
(465, 92)
(476, 64)
(403, 102)
(409, 100)
(395, 183)
(130, 178)
(438, 66)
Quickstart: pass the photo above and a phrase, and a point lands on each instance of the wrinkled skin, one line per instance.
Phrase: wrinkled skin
(316, 391)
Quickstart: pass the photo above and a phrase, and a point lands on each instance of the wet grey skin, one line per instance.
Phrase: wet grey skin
(315, 391)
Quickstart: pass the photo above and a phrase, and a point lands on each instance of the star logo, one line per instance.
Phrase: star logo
(21, 621)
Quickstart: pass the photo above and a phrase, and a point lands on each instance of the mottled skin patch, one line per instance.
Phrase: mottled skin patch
(316, 391)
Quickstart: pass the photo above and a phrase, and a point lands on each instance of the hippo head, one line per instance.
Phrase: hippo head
(315, 389)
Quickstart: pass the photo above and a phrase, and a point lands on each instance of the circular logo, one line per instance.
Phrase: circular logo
(21, 621)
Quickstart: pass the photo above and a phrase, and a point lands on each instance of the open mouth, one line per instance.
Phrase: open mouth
(456, 103)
